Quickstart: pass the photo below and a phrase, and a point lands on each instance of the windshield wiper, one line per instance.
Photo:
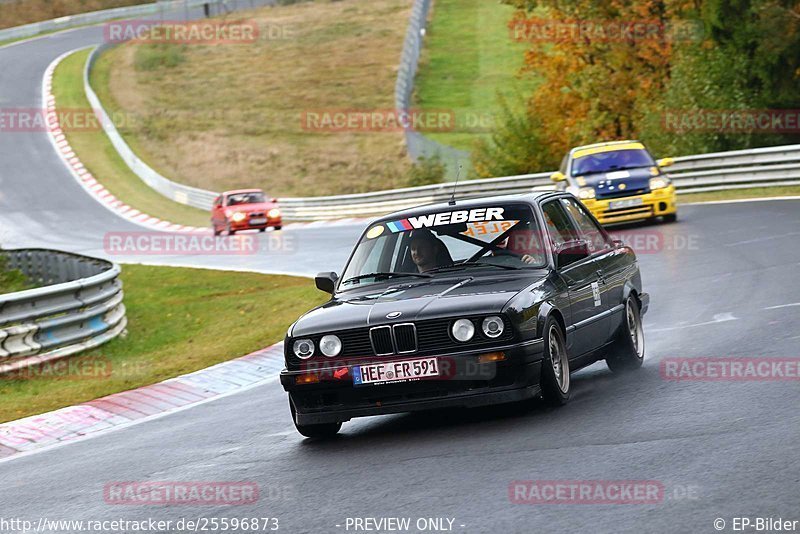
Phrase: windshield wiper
(384, 275)
(465, 264)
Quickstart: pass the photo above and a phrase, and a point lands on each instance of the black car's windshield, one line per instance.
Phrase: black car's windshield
(255, 197)
(492, 237)
(616, 160)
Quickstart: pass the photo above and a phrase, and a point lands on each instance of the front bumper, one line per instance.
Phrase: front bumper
(472, 384)
(654, 204)
(247, 225)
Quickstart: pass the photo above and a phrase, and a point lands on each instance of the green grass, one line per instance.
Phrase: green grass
(101, 159)
(231, 116)
(11, 280)
(733, 194)
(468, 57)
(179, 320)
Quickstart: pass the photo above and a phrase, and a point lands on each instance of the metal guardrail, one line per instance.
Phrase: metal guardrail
(417, 144)
(78, 307)
(759, 167)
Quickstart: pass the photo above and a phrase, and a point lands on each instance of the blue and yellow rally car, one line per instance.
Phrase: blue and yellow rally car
(618, 181)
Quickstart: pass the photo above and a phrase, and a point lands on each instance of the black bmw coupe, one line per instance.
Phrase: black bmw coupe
(479, 302)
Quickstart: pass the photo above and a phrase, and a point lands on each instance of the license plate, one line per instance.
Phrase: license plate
(381, 373)
(625, 203)
(258, 221)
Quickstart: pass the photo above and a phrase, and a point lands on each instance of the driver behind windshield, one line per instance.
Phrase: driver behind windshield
(428, 252)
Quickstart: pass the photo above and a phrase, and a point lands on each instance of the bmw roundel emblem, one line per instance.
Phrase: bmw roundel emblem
(393, 315)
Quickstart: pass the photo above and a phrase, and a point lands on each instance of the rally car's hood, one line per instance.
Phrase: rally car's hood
(256, 206)
(613, 183)
(417, 300)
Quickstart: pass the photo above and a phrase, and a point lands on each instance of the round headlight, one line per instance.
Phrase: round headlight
(493, 326)
(303, 348)
(330, 346)
(586, 193)
(239, 216)
(463, 330)
(274, 213)
(659, 182)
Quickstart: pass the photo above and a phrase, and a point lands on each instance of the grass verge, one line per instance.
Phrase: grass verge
(179, 320)
(11, 280)
(230, 116)
(468, 58)
(101, 159)
(734, 194)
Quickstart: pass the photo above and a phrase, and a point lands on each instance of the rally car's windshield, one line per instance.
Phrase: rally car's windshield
(611, 161)
(496, 237)
(253, 197)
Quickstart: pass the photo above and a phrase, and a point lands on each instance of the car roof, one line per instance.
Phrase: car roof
(607, 147)
(466, 203)
(237, 191)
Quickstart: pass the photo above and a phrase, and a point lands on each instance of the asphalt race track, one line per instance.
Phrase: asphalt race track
(723, 282)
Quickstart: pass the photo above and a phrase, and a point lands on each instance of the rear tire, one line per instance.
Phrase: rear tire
(627, 351)
(228, 229)
(555, 379)
(322, 431)
(216, 232)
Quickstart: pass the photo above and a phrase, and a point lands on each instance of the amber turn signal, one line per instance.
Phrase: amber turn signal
(492, 357)
(307, 379)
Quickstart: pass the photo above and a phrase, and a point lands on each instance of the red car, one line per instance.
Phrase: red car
(244, 209)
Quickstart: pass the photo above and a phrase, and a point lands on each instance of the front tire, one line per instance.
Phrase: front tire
(322, 431)
(555, 379)
(671, 218)
(627, 351)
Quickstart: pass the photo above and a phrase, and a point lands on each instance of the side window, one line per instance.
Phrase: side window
(559, 226)
(587, 227)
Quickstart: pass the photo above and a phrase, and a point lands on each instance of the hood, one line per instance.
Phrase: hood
(258, 206)
(616, 183)
(416, 301)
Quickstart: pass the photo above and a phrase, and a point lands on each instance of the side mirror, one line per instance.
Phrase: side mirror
(665, 162)
(558, 177)
(273, 200)
(571, 252)
(326, 282)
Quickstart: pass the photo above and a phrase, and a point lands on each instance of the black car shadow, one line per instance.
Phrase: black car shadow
(589, 386)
